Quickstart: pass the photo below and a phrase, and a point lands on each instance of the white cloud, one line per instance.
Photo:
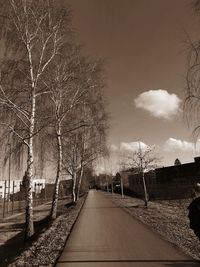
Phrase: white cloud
(132, 146)
(173, 144)
(159, 103)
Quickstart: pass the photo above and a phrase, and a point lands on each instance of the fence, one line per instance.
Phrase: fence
(12, 195)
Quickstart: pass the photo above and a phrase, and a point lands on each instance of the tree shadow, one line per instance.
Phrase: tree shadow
(14, 246)
(65, 208)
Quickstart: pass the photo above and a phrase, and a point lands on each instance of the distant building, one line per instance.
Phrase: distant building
(16, 186)
(38, 185)
(65, 188)
(177, 181)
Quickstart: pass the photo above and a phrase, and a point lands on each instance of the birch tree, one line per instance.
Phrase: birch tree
(92, 143)
(66, 92)
(87, 142)
(33, 38)
(91, 149)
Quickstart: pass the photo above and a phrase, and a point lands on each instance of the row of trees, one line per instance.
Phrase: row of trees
(50, 95)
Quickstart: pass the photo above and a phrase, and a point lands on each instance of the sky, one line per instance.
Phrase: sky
(144, 45)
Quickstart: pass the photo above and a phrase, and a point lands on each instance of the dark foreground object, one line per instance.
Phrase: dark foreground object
(194, 216)
(106, 236)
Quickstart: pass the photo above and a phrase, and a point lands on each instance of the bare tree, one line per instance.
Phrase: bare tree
(66, 92)
(91, 149)
(93, 138)
(141, 160)
(87, 142)
(34, 37)
(192, 90)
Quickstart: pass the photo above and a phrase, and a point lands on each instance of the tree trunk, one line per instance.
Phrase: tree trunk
(112, 186)
(74, 187)
(122, 186)
(145, 190)
(143, 178)
(29, 227)
(79, 183)
(59, 169)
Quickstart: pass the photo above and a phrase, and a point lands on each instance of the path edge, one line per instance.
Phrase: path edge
(71, 228)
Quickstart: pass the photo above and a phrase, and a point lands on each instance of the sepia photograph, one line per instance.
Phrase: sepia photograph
(99, 133)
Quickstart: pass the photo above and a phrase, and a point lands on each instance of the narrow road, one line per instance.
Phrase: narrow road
(106, 236)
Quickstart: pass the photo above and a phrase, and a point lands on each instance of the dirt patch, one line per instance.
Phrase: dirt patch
(168, 218)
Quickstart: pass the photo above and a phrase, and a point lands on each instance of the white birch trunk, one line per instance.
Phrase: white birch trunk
(29, 228)
(145, 190)
(74, 187)
(79, 183)
(59, 169)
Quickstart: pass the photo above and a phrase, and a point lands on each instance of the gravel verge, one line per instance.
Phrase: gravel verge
(168, 218)
(49, 245)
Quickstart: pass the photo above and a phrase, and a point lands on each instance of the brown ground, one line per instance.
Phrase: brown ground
(12, 230)
(45, 250)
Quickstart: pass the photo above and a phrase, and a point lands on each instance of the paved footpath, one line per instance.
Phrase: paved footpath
(106, 236)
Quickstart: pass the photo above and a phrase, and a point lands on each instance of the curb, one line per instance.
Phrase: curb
(70, 230)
